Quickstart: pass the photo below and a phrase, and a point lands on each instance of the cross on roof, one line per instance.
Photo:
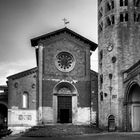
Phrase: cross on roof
(65, 21)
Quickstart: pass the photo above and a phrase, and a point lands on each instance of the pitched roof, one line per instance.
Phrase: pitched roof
(34, 41)
(22, 74)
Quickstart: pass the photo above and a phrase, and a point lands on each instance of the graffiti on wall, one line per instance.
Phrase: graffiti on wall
(25, 117)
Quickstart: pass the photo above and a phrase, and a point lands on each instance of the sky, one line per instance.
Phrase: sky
(22, 20)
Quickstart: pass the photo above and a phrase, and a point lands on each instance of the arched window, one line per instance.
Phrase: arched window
(25, 100)
(136, 3)
(100, 13)
(100, 26)
(126, 2)
(101, 96)
(101, 81)
(110, 20)
(126, 16)
(101, 55)
(112, 4)
(136, 17)
(123, 2)
(123, 17)
(109, 6)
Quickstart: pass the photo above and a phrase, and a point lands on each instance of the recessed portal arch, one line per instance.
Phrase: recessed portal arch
(64, 102)
(133, 106)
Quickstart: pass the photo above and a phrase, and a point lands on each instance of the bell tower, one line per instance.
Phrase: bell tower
(118, 45)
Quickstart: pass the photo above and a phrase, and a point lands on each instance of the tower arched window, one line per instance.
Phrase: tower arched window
(101, 55)
(101, 96)
(123, 17)
(109, 5)
(100, 58)
(100, 1)
(136, 17)
(126, 16)
(123, 2)
(101, 81)
(100, 13)
(136, 3)
(110, 20)
(112, 4)
(100, 27)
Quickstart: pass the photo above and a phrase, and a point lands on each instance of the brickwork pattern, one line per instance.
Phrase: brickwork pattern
(20, 85)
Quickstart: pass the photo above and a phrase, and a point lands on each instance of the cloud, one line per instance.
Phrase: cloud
(11, 68)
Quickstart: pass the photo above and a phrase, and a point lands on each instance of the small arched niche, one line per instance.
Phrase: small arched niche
(111, 123)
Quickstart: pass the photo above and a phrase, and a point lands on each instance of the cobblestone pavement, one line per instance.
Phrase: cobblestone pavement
(103, 136)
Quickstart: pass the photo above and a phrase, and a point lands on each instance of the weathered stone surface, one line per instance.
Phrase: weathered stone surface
(124, 38)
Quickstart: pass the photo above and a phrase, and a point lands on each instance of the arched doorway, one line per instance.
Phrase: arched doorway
(64, 109)
(111, 123)
(134, 106)
(64, 100)
(3, 115)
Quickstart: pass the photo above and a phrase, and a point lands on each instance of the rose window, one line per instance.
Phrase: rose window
(65, 61)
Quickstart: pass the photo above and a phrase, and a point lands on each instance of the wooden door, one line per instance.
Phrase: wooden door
(64, 109)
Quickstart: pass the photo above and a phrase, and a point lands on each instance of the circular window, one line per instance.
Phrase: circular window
(65, 61)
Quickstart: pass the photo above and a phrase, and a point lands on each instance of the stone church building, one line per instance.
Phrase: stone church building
(61, 89)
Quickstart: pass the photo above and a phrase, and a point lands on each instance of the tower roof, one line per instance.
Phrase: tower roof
(35, 41)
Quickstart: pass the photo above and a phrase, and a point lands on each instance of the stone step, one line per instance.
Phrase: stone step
(60, 130)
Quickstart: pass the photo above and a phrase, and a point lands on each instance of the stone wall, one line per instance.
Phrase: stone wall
(17, 115)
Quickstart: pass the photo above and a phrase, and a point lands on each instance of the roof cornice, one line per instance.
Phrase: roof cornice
(22, 74)
(35, 41)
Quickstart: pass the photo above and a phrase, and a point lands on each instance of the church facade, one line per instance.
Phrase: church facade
(61, 89)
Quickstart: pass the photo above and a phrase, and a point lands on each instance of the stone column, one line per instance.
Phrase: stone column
(40, 75)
